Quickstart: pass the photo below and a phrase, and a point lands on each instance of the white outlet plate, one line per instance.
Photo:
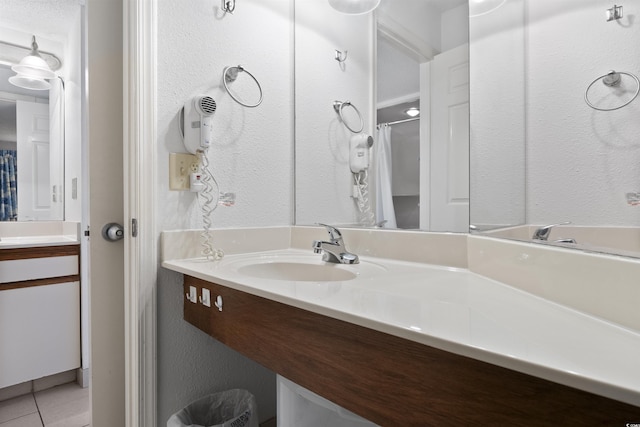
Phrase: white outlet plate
(180, 166)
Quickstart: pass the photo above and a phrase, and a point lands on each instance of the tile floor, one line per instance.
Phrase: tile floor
(66, 405)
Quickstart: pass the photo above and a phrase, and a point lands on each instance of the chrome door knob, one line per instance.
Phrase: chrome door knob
(113, 232)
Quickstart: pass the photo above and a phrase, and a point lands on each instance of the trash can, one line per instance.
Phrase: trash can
(231, 408)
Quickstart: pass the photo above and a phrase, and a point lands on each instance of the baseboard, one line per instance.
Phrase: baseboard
(83, 377)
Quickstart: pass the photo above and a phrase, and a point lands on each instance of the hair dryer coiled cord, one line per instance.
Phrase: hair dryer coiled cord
(208, 205)
(364, 206)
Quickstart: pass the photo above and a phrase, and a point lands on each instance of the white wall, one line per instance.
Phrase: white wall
(412, 15)
(72, 69)
(454, 27)
(397, 74)
(580, 162)
(497, 108)
(323, 179)
(251, 155)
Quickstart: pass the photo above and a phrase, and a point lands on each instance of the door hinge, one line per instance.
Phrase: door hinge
(134, 227)
(86, 232)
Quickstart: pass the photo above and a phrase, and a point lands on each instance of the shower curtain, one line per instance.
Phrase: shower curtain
(8, 186)
(384, 195)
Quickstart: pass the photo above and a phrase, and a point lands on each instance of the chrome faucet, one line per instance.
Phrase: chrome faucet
(334, 250)
(542, 233)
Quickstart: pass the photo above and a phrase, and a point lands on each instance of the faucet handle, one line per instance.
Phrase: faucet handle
(334, 233)
(542, 233)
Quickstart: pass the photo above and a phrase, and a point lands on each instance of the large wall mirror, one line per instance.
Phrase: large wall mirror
(540, 154)
(400, 76)
(534, 152)
(31, 151)
(40, 130)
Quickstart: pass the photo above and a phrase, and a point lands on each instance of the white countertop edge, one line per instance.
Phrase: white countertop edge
(37, 241)
(552, 374)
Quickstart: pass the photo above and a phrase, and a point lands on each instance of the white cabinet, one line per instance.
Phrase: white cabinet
(16, 270)
(39, 313)
(39, 332)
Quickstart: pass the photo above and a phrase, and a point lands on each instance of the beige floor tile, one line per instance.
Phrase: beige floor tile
(67, 405)
(80, 420)
(31, 420)
(17, 407)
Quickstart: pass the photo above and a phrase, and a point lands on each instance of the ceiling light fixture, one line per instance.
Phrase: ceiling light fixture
(32, 71)
(412, 112)
(354, 7)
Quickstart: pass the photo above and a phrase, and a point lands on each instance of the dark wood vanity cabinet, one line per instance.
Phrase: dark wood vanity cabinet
(389, 380)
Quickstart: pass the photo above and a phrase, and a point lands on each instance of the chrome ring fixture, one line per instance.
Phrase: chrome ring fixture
(230, 74)
(612, 79)
(338, 106)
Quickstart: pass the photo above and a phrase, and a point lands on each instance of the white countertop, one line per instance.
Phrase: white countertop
(37, 241)
(454, 310)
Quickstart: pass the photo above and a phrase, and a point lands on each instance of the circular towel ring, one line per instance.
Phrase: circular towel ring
(230, 74)
(338, 106)
(612, 79)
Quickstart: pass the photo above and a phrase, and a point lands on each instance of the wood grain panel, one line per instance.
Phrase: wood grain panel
(39, 252)
(389, 380)
(39, 282)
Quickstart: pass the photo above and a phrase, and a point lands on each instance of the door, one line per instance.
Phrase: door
(105, 159)
(32, 132)
(449, 202)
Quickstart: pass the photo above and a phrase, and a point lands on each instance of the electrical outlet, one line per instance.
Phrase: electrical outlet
(181, 165)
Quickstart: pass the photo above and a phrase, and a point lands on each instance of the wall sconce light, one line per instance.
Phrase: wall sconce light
(32, 71)
(354, 7)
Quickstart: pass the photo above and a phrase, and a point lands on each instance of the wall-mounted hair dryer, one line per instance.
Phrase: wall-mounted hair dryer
(359, 145)
(197, 121)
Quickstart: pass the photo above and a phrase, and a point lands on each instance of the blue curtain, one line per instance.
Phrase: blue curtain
(8, 185)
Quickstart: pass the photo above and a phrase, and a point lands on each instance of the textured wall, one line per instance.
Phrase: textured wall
(580, 161)
(251, 155)
(323, 179)
(497, 108)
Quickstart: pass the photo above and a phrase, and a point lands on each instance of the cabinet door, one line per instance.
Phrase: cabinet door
(39, 331)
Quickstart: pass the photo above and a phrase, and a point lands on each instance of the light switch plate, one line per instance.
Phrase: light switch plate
(181, 165)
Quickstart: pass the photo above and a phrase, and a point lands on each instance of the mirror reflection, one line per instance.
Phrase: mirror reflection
(409, 57)
(31, 147)
(541, 155)
(35, 119)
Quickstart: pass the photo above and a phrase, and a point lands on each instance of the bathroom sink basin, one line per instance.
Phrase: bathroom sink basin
(297, 267)
(298, 272)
